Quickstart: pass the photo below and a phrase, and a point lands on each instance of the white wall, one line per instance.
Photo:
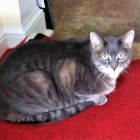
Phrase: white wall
(10, 16)
(20, 18)
(1, 30)
(26, 8)
(3, 41)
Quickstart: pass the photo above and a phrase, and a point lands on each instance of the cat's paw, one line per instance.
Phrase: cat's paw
(101, 100)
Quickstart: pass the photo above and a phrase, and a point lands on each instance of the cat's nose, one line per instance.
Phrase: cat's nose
(114, 65)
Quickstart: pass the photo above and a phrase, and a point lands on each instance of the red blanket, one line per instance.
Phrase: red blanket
(118, 119)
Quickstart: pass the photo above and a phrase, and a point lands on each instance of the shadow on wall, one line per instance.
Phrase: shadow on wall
(108, 17)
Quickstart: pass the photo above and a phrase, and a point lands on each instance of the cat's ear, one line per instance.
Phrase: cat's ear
(96, 41)
(128, 38)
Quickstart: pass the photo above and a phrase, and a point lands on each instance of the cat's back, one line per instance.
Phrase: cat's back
(31, 49)
(36, 47)
(34, 53)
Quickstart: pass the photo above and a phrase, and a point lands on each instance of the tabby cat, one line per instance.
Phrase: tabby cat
(47, 81)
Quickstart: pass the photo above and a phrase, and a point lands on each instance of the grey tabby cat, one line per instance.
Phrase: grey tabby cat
(49, 81)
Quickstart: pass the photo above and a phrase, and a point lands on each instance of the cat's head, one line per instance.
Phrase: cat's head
(111, 55)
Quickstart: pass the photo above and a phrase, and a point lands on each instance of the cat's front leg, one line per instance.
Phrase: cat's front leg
(98, 99)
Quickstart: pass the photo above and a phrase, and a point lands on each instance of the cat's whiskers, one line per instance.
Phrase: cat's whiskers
(100, 77)
(125, 72)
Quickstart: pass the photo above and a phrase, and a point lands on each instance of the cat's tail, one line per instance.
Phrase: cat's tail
(51, 116)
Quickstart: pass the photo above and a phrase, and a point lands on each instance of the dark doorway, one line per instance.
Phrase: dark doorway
(48, 14)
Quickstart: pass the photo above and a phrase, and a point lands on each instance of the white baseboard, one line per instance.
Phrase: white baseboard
(14, 39)
(34, 23)
(3, 44)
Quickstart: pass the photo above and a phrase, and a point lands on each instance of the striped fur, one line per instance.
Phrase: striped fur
(49, 81)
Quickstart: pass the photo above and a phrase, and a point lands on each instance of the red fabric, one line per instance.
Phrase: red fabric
(118, 119)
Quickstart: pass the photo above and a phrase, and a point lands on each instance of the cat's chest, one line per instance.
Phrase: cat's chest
(108, 86)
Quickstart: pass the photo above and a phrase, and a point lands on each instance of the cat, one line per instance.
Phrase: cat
(47, 81)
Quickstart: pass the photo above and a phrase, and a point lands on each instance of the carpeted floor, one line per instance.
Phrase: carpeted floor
(118, 119)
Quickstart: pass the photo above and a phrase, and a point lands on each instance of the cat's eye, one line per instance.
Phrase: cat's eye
(120, 56)
(105, 57)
